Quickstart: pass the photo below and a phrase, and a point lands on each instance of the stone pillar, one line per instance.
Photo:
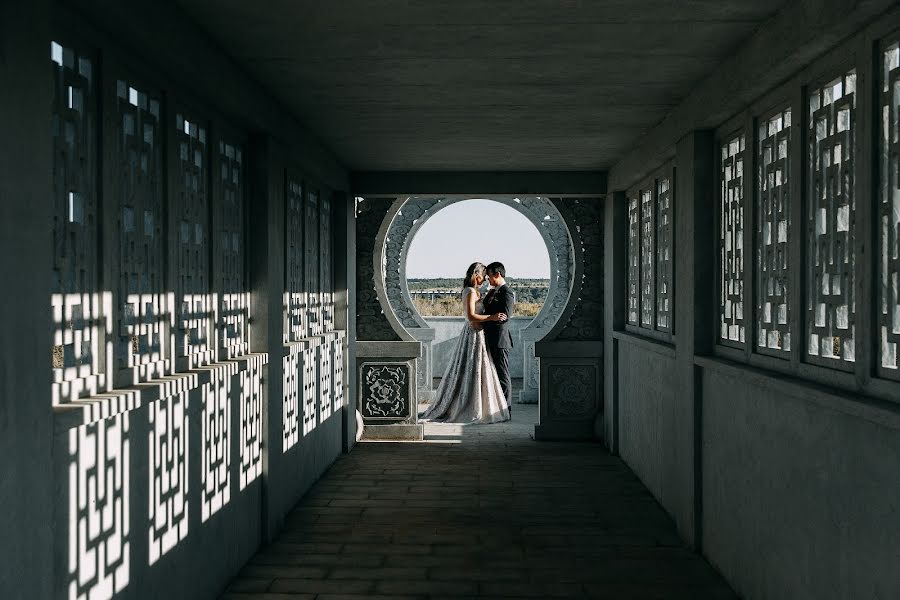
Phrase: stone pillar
(615, 307)
(26, 242)
(694, 235)
(571, 376)
(344, 299)
(425, 370)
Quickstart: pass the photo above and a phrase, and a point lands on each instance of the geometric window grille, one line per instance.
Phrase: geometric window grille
(141, 243)
(215, 429)
(663, 254)
(634, 256)
(167, 458)
(731, 242)
(647, 256)
(190, 208)
(313, 285)
(295, 313)
(229, 254)
(889, 209)
(77, 324)
(325, 265)
(650, 258)
(773, 225)
(251, 421)
(290, 403)
(831, 220)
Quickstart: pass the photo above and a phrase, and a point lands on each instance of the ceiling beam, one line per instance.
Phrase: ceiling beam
(475, 183)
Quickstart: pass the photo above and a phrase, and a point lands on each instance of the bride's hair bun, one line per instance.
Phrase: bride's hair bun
(476, 268)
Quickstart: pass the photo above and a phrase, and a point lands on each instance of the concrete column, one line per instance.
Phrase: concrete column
(344, 298)
(615, 273)
(266, 258)
(694, 305)
(26, 418)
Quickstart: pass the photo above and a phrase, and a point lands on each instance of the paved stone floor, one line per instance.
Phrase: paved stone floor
(478, 512)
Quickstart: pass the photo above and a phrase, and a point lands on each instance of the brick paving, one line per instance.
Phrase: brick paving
(478, 512)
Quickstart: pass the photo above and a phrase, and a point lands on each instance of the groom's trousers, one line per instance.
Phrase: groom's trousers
(500, 356)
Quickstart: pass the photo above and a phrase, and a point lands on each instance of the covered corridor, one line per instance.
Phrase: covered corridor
(209, 353)
(478, 512)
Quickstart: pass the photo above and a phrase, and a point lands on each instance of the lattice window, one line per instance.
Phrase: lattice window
(338, 366)
(326, 267)
(663, 254)
(831, 220)
(78, 324)
(310, 388)
(216, 432)
(889, 209)
(231, 274)
(773, 225)
(731, 241)
(290, 403)
(647, 262)
(634, 258)
(295, 313)
(313, 284)
(141, 244)
(251, 420)
(190, 206)
(168, 476)
(99, 527)
(325, 377)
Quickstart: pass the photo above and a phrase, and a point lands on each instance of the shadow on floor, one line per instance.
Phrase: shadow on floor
(478, 511)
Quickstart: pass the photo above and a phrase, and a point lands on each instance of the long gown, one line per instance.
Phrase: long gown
(470, 390)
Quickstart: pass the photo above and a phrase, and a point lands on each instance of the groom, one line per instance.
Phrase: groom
(500, 299)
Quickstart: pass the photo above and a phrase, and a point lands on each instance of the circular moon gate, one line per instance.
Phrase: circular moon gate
(409, 217)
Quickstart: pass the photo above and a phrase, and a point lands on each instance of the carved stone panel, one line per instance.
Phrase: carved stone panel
(584, 217)
(385, 392)
(573, 390)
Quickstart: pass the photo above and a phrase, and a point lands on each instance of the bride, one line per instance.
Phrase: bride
(470, 391)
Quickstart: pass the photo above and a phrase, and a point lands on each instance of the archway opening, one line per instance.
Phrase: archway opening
(443, 247)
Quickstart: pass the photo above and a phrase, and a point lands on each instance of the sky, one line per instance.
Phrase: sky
(460, 234)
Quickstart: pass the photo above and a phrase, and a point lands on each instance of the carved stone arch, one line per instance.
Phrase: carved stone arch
(403, 221)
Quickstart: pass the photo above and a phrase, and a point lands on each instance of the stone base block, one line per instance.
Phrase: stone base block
(400, 432)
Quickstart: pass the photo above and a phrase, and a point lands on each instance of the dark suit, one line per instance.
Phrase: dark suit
(497, 336)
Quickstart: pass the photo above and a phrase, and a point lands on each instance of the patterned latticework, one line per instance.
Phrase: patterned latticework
(290, 404)
(215, 428)
(889, 209)
(338, 366)
(634, 257)
(295, 292)
(313, 285)
(326, 267)
(773, 225)
(647, 266)
(231, 275)
(326, 373)
(190, 206)
(663, 254)
(731, 241)
(251, 420)
(831, 220)
(168, 478)
(309, 387)
(76, 301)
(99, 509)
(141, 244)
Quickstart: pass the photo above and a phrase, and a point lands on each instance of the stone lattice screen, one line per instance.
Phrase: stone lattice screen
(651, 256)
(888, 279)
(773, 230)
(731, 241)
(831, 220)
(79, 324)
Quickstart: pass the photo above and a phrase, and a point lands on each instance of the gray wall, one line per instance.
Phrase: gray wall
(26, 424)
(801, 495)
(446, 335)
(785, 476)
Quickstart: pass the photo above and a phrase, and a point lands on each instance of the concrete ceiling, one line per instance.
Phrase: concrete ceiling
(480, 85)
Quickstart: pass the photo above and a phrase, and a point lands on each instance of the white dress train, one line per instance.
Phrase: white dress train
(470, 391)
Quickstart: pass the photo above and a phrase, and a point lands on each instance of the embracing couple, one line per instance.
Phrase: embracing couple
(476, 387)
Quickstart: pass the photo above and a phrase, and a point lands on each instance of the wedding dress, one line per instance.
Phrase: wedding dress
(470, 391)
